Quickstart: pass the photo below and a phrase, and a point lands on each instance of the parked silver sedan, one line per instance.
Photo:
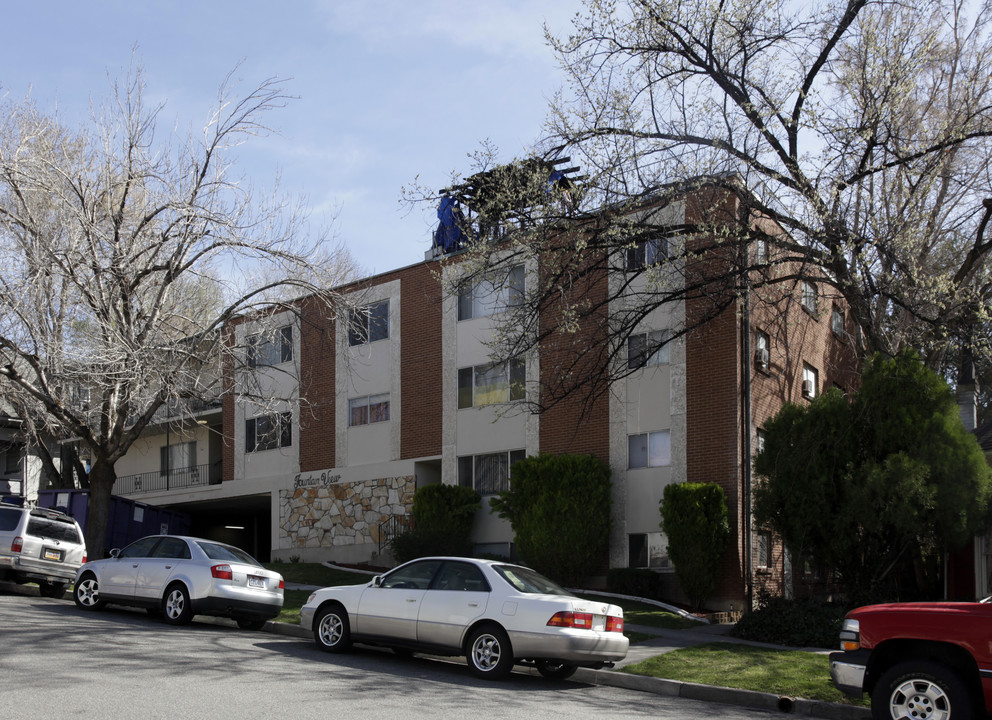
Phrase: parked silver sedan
(181, 577)
(494, 613)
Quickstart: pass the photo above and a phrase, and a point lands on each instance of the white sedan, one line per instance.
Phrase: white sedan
(180, 577)
(494, 613)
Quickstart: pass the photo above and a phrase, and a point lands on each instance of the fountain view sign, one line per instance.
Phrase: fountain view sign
(317, 479)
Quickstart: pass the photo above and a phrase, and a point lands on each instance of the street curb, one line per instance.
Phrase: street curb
(676, 688)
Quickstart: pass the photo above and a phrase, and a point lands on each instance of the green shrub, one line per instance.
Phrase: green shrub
(442, 523)
(559, 509)
(798, 623)
(695, 519)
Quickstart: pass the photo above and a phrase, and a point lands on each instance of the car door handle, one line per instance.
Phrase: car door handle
(473, 604)
(411, 599)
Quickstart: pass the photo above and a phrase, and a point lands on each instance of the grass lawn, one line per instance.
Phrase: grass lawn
(782, 672)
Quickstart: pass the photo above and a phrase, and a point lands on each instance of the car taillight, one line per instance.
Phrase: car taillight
(282, 584)
(222, 572)
(614, 624)
(16, 545)
(581, 621)
(84, 558)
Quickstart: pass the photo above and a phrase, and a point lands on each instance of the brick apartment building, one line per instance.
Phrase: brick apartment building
(412, 400)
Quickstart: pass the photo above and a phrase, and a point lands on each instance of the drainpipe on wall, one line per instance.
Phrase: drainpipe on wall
(746, 449)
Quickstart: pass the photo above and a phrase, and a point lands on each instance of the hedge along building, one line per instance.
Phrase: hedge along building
(403, 393)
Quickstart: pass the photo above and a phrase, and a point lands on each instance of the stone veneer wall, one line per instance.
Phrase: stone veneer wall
(340, 514)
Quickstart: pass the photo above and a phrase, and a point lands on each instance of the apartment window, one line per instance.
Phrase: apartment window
(368, 409)
(263, 351)
(811, 382)
(647, 550)
(368, 324)
(762, 550)
(179, 456)
(647, 349)
(653, 449)
(761, 251)
(488, 474)
(809, 296)
(491, 384)
(762, 351)
(269, 432)
(12, 458)
(760, 437)
(837, 321)
(489, 296)
(646, 253)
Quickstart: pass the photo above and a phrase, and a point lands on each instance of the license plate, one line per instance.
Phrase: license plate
(52, 554)
(599, 623)
(256, 582)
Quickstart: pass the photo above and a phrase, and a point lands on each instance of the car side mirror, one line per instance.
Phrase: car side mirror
(115, 552)
(377, 581)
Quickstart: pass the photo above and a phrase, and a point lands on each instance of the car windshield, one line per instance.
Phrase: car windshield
(52, 530)
(526, 580)
(216, 551)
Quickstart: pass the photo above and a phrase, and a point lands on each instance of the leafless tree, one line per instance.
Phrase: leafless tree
(125, 256)
(853, 134)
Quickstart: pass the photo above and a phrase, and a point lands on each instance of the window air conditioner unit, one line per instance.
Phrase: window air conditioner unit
(761, 358)
(807, 388)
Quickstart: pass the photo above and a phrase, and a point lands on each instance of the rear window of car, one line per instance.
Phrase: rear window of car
(53, 530)
(526, 580)
(216, 551)
(9, 519)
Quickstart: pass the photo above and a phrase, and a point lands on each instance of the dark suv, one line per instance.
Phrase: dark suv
(40, 545)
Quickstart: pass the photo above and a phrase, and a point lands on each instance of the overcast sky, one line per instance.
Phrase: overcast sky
(387, 89)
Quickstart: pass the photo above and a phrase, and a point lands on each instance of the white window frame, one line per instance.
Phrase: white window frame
(508, 379)
(490, 296)
(263, 351)
(837, 321)
(762, 351)
(811, 376)
(809, 296)
(638, 357)
(656, 550)
(644, 254)
(470, 467)
(279, 434)
(376, 410)
(657, 449)
(369, 323)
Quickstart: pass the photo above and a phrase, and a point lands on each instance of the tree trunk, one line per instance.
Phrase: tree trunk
(102, 478)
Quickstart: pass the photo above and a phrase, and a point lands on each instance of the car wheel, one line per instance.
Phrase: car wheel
(250, 623)
(176, 606)
(51, 589)
(922, 690)
(331, 630)
(555, 670)
(488, 652)
(87, 593)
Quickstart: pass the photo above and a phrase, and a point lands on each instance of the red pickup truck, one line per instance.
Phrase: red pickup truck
(926, 661)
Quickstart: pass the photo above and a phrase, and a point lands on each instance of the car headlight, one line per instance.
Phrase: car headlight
(850, 635)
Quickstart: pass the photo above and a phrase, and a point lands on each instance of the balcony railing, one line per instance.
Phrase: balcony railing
(175, 479)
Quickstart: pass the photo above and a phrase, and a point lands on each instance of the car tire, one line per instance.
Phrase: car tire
(51, 589)
(555, 669)
(332, 630)
(176, 606)
(250, 623)
(920, 689)
(488, 652)
(86, 594)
